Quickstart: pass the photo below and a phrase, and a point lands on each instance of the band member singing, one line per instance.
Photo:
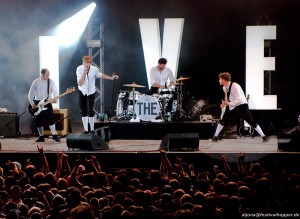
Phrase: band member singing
(86, 77)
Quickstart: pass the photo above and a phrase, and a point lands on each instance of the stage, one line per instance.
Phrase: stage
(138, 145)
(246, 144)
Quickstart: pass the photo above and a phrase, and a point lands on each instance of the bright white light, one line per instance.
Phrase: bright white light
(49, 58)
(70, 30)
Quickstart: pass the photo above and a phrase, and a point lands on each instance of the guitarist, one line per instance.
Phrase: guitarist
(235, 103)
(43, 87)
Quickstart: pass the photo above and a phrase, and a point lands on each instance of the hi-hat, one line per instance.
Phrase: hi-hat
(133, 85)
(182, 79)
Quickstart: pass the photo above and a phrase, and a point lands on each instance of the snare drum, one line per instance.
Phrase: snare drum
(166, 92)
(147, 108)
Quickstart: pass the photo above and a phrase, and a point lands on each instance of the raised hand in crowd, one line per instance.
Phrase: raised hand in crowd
(45, 168)
(65, 160)
(165, 166)
(241, 164)
(74, 180)
(224, 159)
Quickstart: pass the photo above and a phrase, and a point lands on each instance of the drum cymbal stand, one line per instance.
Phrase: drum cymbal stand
(179, 111)
(133, 103)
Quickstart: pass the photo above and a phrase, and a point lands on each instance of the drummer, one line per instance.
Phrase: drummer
(159, 76)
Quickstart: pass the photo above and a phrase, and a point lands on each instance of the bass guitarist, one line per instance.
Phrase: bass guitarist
(43, 87)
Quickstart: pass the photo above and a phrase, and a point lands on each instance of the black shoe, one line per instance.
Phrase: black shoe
(92, 132)
(215, 139)
(265, 139)
(40, 139)
(55, 138)
(85, 132)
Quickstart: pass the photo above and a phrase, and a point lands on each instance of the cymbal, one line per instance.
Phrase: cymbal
(182, 79)
(133, 85)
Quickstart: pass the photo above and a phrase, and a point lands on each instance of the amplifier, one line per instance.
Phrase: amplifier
(60, 117)
(9, 125)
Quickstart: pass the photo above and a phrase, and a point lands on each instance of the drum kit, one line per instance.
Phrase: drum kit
(131, 104)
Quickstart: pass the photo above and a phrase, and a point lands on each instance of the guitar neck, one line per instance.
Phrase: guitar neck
(57, 97)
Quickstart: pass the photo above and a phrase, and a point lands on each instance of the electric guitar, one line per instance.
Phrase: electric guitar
(224, 107)
(41, 105)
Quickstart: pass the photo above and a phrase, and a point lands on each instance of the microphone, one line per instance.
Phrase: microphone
(165, 84)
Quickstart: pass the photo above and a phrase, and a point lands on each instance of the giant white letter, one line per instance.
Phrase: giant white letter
(256, 64)
(172, 35)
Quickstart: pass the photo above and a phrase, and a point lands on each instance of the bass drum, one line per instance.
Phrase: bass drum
(147, 108)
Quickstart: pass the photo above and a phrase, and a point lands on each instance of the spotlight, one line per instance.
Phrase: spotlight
(70, 30)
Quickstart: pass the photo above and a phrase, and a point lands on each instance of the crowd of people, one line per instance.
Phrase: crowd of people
(174, 190)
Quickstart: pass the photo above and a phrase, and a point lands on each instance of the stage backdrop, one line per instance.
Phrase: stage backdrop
(213, 41)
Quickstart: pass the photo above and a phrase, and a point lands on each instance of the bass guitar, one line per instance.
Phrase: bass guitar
(41, 105)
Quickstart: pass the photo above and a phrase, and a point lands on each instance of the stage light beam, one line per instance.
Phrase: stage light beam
(70, 30)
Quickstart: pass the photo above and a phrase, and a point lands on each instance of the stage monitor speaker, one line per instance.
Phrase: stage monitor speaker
(180, 141)
(86, 142)
(9, 124)
(60, 117)
(289, 142)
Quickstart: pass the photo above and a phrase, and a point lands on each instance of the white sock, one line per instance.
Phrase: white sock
(218, 130)
(92, 123)
(53, 129)
(41, 130)
(259, 131)
(85, 121)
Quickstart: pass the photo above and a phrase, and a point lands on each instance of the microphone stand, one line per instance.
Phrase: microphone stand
(112, 100)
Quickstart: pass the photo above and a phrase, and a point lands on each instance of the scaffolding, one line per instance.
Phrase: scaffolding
(95, 45)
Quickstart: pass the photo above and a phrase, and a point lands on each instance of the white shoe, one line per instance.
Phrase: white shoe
(137, 119)
(156, 120)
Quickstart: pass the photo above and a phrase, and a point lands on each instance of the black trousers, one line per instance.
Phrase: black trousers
(86, 104)
(44, 115)
(242, 111)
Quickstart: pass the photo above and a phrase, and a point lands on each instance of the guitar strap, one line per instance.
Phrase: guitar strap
(228, 93)
(48, 88)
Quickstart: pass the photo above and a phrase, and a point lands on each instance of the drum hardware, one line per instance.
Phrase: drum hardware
(180, 113)
(182, 78)
(197, 108)
(128, 102)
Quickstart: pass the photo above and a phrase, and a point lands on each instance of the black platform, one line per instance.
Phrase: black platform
(150, 130)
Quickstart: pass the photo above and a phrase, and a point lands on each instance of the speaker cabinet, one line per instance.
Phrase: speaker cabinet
(289, 142)
(86, 142)
(9, 125)
(180, 141)
(60, 117)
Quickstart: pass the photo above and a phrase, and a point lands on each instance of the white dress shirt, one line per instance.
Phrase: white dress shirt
(88, 86)
(38, 90)
(161, 77)
(236, 96)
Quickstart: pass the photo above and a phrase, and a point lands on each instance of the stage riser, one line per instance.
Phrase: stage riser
(157, 131)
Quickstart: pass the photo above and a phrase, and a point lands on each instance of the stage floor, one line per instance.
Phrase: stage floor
(237, 145)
